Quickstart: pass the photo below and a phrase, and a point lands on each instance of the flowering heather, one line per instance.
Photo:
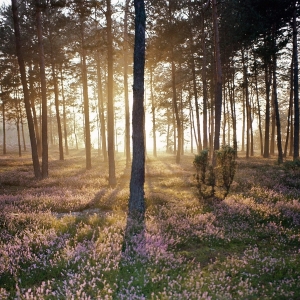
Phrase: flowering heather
(68, 236)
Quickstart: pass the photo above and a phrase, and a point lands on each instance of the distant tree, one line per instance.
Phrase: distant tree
(136, 200)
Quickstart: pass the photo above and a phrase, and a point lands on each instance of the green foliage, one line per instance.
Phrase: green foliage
(292, 165)
(215, 181)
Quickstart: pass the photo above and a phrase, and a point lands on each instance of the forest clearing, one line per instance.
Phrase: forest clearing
(63, 237)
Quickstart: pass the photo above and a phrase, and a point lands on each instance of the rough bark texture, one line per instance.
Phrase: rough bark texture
(136, 201)
(34, 152)
(110, 102)
(43, 90)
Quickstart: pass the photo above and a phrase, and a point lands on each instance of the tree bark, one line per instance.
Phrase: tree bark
(59, 129)
(64, 111)
(137, 180)
(101, 109)
(34, 152)
(88, 151)
(43, 90)
(127, 121)
(110, 101)
(3, 126)
(153, 113)
(218, 87)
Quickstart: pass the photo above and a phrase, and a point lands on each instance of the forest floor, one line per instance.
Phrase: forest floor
(62, 237)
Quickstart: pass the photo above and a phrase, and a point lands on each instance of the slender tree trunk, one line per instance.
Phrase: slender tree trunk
(218, 88)
(290, 112)
(137, 180)
(204, 82)
(246, 88)
(127, 121)
(43, 90)
(34, 152)
(3, 126)
(110, 100)
(267, 120)
(64, 111)
(195, 90)
(153, 113)
(296, 85)
(54, 78)
(258, 108)
(273, 121)
(88, 150)
(35, 120)
(101, 109)
(279, 146)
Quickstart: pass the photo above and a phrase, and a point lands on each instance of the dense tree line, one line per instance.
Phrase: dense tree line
(212, 69)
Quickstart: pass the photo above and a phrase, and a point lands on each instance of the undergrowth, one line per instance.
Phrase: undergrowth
(62, 238)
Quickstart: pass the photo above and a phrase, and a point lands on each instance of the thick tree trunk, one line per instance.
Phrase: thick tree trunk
(218, 87)
(34, 152)
(296, 86)
(43, 91)
(88, 150)
(137, 180)
(127, 121)
(110, 101)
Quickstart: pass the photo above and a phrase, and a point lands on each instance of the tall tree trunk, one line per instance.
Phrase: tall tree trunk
(153, 113)
(258, 108)
(290, 112)
(101, 109)
(248, 116)
(54, 78)
(110, 100)
(43, 90)
(204, 82)
(88, 150)
(273, 121)
(127, 121)
(64, 111)
(267, 120)
(195, 89)
(296, 85)
(35, 120)
(279, 146)
(233, 114)
(34, 152)
(137, 180)
(218, 88)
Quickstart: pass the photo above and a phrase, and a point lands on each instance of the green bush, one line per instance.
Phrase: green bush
(215, 181)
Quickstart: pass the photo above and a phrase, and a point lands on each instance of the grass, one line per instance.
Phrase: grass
(62, 237)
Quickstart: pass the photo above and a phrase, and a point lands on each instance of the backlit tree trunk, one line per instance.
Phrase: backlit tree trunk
(136, 200)
(34, 152)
